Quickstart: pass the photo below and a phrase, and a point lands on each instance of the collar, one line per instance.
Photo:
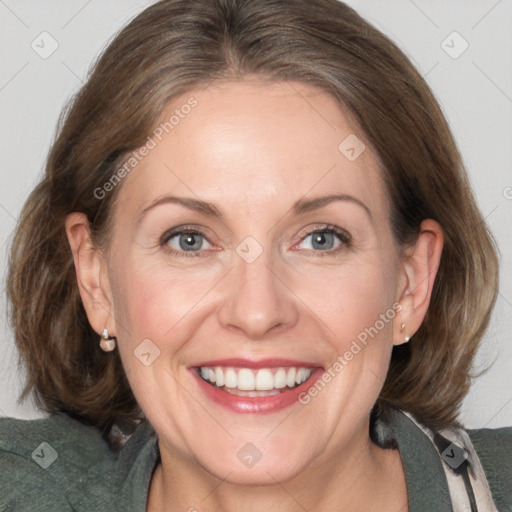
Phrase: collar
(424, 473)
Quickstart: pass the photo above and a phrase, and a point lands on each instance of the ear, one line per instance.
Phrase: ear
(91, 274)
(420, 266)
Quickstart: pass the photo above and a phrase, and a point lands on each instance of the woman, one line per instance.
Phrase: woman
(253, 277)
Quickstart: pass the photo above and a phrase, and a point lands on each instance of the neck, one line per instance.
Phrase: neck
(361, 477)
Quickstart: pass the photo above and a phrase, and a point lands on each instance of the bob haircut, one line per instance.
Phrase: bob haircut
(174, 46)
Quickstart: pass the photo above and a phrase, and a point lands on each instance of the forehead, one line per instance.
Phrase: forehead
(244, 145)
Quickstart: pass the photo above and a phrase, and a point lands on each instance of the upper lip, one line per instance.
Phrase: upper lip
(273, 362)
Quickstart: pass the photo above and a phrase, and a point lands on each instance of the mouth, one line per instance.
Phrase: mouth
(250, 382)
(245, 386)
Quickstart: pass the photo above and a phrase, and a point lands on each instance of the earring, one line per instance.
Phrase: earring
(107, 343)
(402, 328)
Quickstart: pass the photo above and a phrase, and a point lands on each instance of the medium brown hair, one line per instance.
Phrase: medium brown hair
(176, 45)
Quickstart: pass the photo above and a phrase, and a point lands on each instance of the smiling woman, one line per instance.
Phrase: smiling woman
(277, 294)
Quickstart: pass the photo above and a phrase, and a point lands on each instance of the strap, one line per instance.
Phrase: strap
(464, 473)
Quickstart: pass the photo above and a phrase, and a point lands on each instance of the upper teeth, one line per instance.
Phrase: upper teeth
(247, 379)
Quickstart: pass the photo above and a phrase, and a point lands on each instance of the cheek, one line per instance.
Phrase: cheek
(349, 297)
(155, 309)
(157, 302)
(356, 303)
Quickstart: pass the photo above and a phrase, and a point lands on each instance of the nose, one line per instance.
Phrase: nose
(257, 299)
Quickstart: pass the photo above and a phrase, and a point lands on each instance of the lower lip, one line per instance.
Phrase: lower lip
(256, 404)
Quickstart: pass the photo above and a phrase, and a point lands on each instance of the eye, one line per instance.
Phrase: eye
(190, 242)
(326, 240)
(185, 240)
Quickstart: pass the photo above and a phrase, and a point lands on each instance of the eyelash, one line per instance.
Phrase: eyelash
(342, 235)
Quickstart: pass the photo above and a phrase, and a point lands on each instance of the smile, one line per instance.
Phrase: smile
(252, 383)
(245, 386)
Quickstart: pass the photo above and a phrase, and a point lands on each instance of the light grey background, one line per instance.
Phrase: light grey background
(474, 89)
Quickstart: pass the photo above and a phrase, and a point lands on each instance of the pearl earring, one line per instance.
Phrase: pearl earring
(107, 343)
(402, 328)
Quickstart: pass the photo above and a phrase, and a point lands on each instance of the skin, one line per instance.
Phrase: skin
(253, 150)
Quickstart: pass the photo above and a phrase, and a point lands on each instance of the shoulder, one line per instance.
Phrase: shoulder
(38, 457)
(60, 464)
(494, 449)
(44, 441)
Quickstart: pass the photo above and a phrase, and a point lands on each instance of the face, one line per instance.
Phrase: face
(245, 275)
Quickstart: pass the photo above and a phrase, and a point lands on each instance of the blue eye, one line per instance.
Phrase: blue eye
(188, 241)
(323, 240)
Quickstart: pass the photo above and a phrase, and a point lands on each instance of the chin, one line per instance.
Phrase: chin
(253, 464)
(263, 472)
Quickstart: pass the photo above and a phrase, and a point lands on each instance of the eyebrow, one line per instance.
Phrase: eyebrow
(209, 209)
